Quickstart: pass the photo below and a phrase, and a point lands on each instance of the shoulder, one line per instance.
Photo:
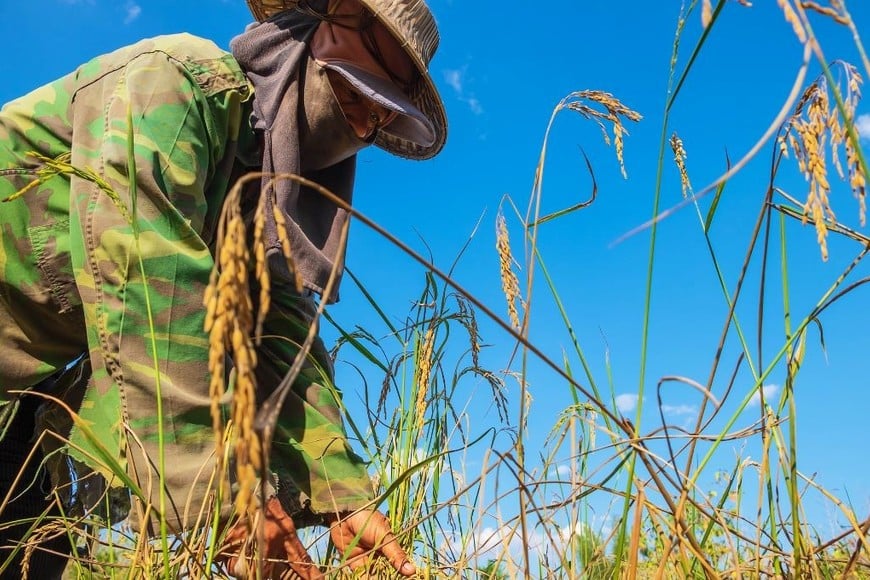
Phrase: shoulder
(200, 59)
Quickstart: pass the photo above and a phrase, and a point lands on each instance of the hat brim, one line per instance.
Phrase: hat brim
(422, 94)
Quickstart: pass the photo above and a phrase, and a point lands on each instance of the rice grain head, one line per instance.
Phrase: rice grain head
(509, 283)
(230, 324)
(835, 11)
(261, 269)
(285, 246)
(792, 18)
(857, 178)
(810, 125)
(680, 160)
(424, 374)
(44, 533)
(614, 112)
(468, 320)
(706, 13)
(816, 125)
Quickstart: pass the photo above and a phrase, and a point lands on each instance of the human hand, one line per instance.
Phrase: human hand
(282, 549)
(362, 535)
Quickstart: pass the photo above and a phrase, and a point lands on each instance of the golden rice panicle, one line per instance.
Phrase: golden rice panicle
(791, 16)
(818, 123)
(510, 285)
(215, 326)
(48, 531)
(836, 11)
(261, 269)
(614, 112)
(857, 178)
(680, 160)
(247, 446)
(424, 374)
(230, 323)
(810, 124)
(706, 13)
(285, 246)
(839, 130)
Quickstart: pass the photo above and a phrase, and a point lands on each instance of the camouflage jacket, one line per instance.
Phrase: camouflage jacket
(71, 282)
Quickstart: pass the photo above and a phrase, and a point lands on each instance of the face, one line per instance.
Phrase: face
(364, 116)
(351, 34)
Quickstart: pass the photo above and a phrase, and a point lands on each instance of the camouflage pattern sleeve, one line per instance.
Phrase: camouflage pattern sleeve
(311, 457)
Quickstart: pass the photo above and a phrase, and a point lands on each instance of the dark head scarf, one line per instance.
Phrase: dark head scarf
(274, 55)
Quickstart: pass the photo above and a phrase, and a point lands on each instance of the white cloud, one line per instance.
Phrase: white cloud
(564, 470)
(862, 123)
(456, 79)
(770, 391)
(626, 402)
(133, 12)
(474, 105)
(679, 409)
(491, 542)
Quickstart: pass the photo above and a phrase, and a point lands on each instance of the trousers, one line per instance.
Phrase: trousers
(26, 484)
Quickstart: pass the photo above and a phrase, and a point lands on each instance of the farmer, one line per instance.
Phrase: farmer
(83, 329)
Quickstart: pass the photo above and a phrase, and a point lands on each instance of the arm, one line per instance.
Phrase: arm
(310, 452)
(183, 140)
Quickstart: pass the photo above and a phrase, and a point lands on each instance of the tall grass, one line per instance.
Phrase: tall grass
(472, 491)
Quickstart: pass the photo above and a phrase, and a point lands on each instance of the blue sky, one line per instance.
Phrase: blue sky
(501, 69)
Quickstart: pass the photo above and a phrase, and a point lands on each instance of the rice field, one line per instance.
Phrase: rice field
(446, 414)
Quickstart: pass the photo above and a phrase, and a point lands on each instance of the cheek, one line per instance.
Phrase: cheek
(357, 114)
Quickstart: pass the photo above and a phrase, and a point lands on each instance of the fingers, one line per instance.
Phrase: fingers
(282, 547)
(297, 557)
(299, 560)
(374, 533)
(390, 548)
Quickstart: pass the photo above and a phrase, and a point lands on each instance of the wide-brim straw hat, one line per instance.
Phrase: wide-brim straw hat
(411, 23)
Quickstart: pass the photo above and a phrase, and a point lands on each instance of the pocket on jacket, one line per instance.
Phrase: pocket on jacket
(51, 252)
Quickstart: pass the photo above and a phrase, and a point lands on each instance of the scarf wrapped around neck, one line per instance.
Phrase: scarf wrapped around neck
(274, 55)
